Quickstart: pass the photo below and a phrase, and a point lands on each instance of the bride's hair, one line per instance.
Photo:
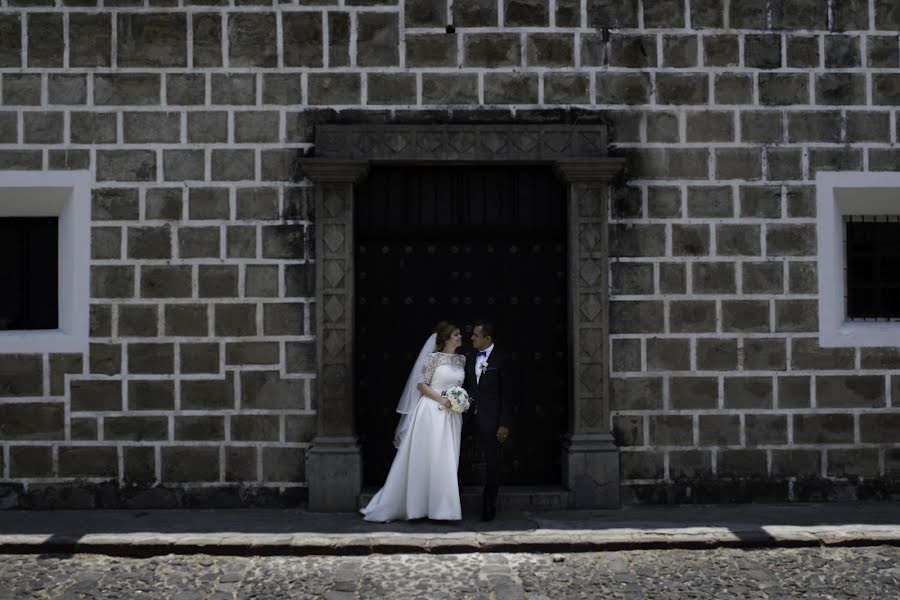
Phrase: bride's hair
(442, 332)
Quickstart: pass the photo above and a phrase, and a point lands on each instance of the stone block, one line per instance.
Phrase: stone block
(21, 160)
(856, 462)
(299, 428)
(737, 240)
(126, 165)
(666, 14)
(208, 203)
(66, 89)
(875, 428)
(391, 88)
(710, 126)
(794, 391)
(218, 281)
(165, 281)
(46, 40)
(641, 465)
(139, 464)
(850, 391)
(199, 428)
(282, 89)
(790, 240)
(511, 88)
(742, 463)
(200, 358)
(693, 392)
(628, 430)
(377, 39)
(714, 354)
(692, 316)
(189, 464)
(284, 464)
(525, 13)
(100, 320)
(30, 461)
(851, 14)
(663, 202)
(636, 240)
(842, 52)
(796, 463)
(9, 127)
(763, 278)
(745, 316)
(163, 203)
(765, 354)
(338, 39)
(198, 242)
(208, 394)
(636, 393)
(636, 316)
(713, 278)
(721, 51)
(233, 88)
(886, 89)
(283, 241)
(240, 241)
(303, 39)
(127, 89)
(187, 319)
(207, 39)
(151, 358)
(823, 428)
(267, 390)
(492, 50)
(662, 127)
(152, 40)
(261, 281)
(431, 50)
(235, 319)
(738, 163)
(283, 318)
(763, 430)
(665, 354)
(60, 366)
(796, 315)
(11, 40)
(612, 14)
(883, 51)
(151, 394)
(632, 278)
(815, 126)
(806, 354)
(150, 242)
(186, 89)
(568, 13)
(252, 353)
(106, 242)
(334, 88)
(137, 320)
(240, 464)
(625, 50)
(841, 88)
(835, 159)
(252, 40)
(671, 430)
(549, 49)
(255, 126)
(21, 89)
(690, 240)
(566, 88)
(92, 128)
(233, 165)
(802, 278)
(868, 126)
(96, 395)
(803, 52)
(682, 88)
(880, 358)
(105, 359)
(69, 159)
(733, 88)
(30, 421)
(299, 280)
(673, 278)
(782, 89)
(686, 163)
(762, 51)
(690, 464)
(626, 355)
(720, 430)
(623, 88)
(710, 201)
(84, 429)
(784, 163)
(112, 281)
(300, 357)
(255, 428)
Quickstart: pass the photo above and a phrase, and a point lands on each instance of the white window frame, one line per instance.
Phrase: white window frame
(67, 196)
(840, 193)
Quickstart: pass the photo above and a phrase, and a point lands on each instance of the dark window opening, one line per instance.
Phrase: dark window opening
(29, 286)
(873, 267)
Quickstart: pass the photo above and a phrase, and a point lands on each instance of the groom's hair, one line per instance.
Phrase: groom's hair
(487, 328)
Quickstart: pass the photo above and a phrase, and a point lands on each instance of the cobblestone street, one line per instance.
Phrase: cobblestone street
(819, 573)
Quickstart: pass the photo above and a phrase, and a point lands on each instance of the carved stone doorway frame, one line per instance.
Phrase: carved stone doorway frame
(343, 155)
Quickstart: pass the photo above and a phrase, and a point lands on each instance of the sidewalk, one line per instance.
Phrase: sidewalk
(139, 533)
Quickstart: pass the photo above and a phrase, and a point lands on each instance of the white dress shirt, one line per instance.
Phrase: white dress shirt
(480, 360)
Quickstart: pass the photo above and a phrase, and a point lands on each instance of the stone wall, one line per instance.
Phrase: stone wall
(192, 113)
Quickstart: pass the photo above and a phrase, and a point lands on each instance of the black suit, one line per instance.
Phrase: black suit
(494, 394)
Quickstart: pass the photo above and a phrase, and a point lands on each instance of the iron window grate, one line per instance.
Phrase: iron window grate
(872, 267)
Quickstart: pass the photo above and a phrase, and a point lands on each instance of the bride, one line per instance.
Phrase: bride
(422, 480)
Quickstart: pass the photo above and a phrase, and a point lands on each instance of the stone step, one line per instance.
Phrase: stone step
(510, 498)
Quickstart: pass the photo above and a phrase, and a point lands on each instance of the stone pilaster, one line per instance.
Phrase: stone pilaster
(334, 462)
(590, 458)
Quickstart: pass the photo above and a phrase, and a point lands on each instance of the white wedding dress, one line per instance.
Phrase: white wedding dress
(422, 481)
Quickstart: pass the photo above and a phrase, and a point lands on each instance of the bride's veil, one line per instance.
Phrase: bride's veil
(411, 395)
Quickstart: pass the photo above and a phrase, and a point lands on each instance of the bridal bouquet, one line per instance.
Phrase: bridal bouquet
(459, 399)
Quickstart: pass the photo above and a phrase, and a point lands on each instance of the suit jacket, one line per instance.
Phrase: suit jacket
(494, 393)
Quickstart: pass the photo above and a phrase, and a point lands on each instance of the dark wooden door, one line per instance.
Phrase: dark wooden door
(459, 244)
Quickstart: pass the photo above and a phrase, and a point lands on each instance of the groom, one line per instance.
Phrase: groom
(490, 382)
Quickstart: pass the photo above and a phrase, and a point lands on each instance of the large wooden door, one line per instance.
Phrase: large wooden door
(459, 244)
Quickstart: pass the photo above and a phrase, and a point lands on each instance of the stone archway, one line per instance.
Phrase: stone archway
(343, 154)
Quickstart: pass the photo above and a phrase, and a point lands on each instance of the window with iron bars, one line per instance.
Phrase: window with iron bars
(872, 267)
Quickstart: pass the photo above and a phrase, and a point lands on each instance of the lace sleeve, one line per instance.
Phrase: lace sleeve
(428, 369)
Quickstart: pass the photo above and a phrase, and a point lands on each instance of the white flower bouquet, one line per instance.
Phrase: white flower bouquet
(459, 399)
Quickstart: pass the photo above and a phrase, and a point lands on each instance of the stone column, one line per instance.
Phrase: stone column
(334, 462)
(590, 457)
